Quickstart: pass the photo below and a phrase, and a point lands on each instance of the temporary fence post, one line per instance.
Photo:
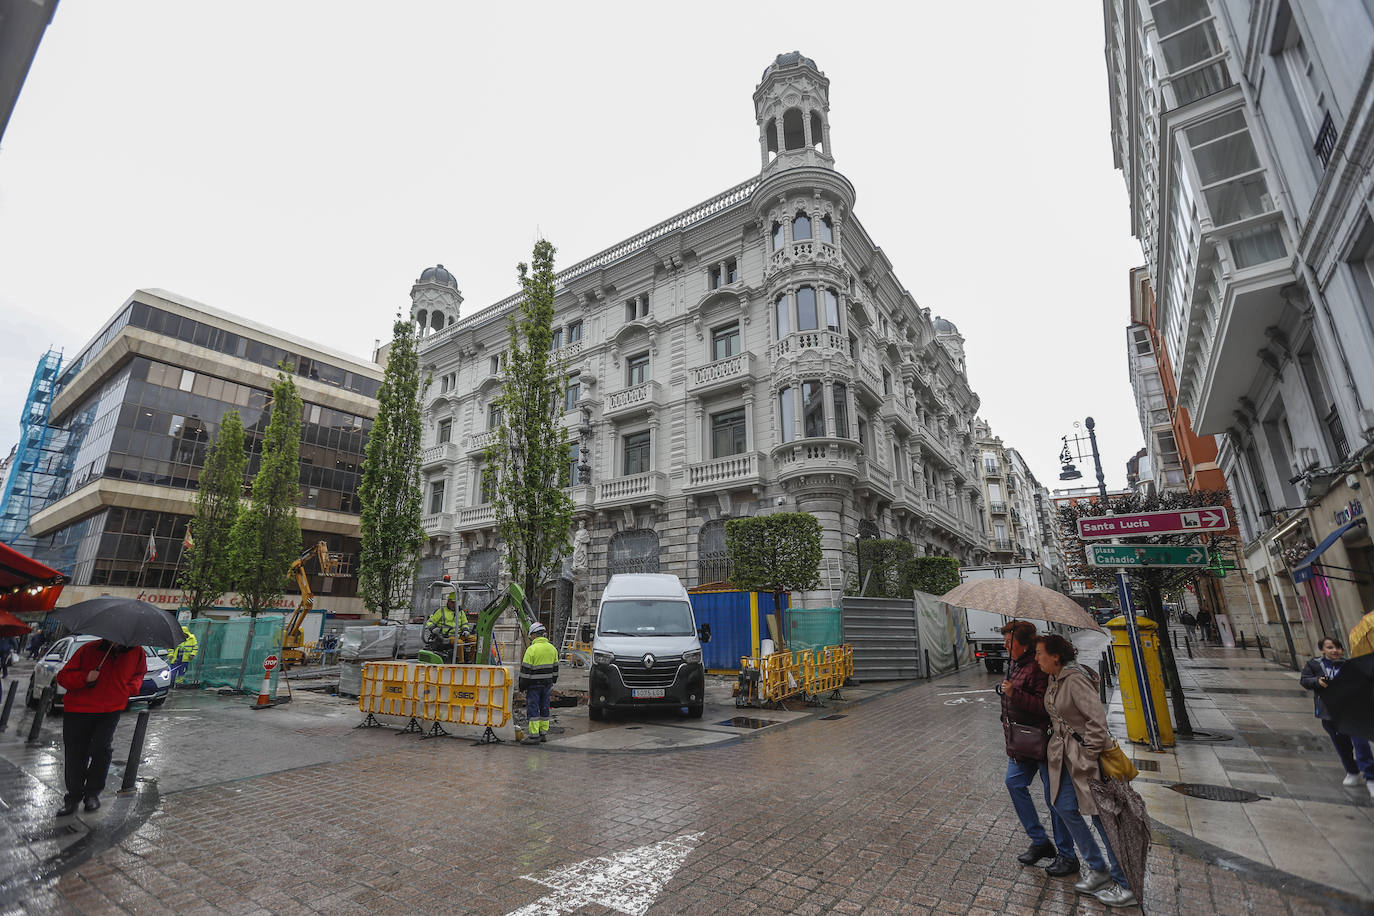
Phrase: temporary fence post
(927, 655)
(247, 648)
(135, 754)
(9, 704)
(44, 704)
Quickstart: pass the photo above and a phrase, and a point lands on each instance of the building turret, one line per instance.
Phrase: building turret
(792, 106)
(435, 300)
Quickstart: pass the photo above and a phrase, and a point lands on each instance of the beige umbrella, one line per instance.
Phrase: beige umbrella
(1021, 599)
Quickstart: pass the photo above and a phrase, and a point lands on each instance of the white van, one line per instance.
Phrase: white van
(647, 648)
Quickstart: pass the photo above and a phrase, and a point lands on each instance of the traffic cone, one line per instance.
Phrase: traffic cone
(265, 694)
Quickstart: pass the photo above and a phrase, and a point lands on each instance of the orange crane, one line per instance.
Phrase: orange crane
(293, 636)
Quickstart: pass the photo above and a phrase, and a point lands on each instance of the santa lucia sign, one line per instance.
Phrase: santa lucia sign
(1204, 520)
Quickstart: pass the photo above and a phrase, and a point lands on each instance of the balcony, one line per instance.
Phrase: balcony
(438, 456)
(997, 508)
(945, 518)
(581, 495)
(794, 344)
(816, 456)
(480, 441)
(1001, 545)
(870, 381)
(877, 477)
(475, 517)
(897, 413)
(629, 402)
(731, 472)
(805, 250)
(636, 488)
(723, 373)
(905, 498)
(438, 524)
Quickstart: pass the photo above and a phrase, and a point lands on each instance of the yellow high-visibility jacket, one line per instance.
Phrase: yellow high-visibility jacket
(186, 651)
(540, 664)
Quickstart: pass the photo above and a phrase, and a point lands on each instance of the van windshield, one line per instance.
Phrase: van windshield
(645, 617)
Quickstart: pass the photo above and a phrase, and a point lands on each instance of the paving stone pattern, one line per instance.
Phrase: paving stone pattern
(897, 808)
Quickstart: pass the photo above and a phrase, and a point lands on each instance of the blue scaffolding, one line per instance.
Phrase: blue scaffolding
(38, 470)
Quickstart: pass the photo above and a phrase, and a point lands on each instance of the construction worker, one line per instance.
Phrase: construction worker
(538, 674)
(439, 628)
(183, 655)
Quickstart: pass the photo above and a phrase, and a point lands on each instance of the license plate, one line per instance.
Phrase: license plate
(647, 693)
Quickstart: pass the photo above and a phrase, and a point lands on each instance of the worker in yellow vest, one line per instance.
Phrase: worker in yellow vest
(538, 674)
(182, 656)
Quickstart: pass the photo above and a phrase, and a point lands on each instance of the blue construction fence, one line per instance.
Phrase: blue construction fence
(230, 652)
(739, 624)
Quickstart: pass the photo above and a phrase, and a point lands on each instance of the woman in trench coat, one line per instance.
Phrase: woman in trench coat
(1079, 734)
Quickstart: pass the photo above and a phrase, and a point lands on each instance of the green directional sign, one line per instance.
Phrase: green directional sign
(1133, 555)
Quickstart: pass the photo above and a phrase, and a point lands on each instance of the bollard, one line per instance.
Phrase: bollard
(135, 754)
(1243, 646)
(44, 704)
(1102, 680)
(1189, 644)
(9, 704)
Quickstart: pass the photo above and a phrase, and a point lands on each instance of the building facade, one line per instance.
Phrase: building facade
(1021, 523)
(1242, 130)
(135, 413)
(753, 354)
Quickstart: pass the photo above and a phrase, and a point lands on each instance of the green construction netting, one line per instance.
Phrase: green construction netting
(812, 628)
(230, 653)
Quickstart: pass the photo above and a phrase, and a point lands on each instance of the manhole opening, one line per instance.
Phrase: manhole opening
(1150, 766)
(747, 722)
(1215, 793)
(838, 715)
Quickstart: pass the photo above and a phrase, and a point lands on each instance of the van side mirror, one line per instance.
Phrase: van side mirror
(587, 633)
(704, 632)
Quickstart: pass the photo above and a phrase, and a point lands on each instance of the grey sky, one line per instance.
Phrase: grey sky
(299, 163)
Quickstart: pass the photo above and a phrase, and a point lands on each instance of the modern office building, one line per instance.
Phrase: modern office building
(135, 412)
(753, 354)
(37, 466)
(1242, 128)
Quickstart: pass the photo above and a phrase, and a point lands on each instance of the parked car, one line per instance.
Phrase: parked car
(156, 683)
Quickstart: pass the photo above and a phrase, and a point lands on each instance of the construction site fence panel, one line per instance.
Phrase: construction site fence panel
(808, 672)
(465, 696)
(230, 653)
(390, 689)
(814, 628)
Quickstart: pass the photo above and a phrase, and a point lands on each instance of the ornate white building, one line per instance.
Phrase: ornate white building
(753, 354)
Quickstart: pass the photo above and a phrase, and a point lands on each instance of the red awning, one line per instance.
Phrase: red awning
(26, 584)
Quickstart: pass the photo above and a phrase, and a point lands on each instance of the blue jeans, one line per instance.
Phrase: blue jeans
(1067, 806)
(1353, 751)
(1020, 774)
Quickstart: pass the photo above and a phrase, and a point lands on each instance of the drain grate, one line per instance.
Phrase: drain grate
(747, 722)
(1147, 766)
(44, 834)
(1215, 793)
(838, 715)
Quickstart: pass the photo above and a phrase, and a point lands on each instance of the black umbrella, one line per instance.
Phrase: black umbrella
(122, 620)
(1350, 698)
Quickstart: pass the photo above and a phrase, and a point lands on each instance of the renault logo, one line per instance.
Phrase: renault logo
(649, 660)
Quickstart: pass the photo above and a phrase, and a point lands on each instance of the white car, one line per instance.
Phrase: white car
(155, 687)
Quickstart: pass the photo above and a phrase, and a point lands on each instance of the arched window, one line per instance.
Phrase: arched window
(813, 409)
(793, 134)
(633, 552)
(817, 134)
(806, 309)
(777, 236)
(801, 227)
(713, 563)
(827, 229)
(771, 132)
(784, 316)
(484, 566)
(787, 414)
(832, 310)
(422, 319)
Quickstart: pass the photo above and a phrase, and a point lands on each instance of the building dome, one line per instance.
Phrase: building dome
(790, 59)
(944, 326)
(438, 276)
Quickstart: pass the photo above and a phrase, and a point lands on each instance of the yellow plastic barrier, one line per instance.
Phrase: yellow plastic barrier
(478, 695)
(786, 674)
(389, 689)
(831, 669)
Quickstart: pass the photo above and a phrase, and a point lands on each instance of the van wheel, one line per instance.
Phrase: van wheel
(694, 712)
(992, 666)
(596, 713)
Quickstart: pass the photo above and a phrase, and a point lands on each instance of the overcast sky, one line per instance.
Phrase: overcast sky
(299, 163)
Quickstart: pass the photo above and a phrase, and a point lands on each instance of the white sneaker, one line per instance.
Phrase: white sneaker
(1352, 779)
(1370, 786)
(1116, 895)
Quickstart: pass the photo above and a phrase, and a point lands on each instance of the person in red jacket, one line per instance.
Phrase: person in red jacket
(99, 679)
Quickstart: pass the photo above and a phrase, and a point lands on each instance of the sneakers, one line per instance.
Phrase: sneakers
(1352, 779)
(1093, 880)
(1116, 895)
(1370, 786)
(1036, 852)
(1061, 866)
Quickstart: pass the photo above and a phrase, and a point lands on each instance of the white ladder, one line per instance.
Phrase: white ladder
(835, 574)
(571, 633)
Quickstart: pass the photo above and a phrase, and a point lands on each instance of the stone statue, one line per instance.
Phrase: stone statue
(581, 541)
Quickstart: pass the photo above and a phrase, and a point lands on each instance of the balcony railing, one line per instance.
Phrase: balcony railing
(634, 488)
(481, 441)
(729, 371)
(435, 455)
(437, 524)
(733, 470)
(1326, 140)
(476, 517)
(632, 400)
(998, 508)
(1000, 544)
(816, 456)
(808, 340)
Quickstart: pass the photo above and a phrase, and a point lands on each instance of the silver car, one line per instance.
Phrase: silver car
(156, 683)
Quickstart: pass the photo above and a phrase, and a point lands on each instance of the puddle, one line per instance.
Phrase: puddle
(747, 722)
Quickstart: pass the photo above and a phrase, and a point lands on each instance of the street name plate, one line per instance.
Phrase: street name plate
(1127, 555)
(1175, 521)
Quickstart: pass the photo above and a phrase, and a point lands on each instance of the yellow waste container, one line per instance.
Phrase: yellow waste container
(1130, 687)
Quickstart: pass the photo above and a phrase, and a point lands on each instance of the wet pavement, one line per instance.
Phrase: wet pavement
(892, 802)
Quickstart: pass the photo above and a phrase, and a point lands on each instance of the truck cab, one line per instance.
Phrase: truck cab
(646, 647)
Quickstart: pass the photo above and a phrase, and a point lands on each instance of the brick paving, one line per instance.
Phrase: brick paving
(897, 808)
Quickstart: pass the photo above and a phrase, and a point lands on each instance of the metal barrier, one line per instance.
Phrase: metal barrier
(477, 696)
(781, 675)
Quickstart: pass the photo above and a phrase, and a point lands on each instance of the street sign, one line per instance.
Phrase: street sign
(1139, 555)
(1176, 521)
(269, 663)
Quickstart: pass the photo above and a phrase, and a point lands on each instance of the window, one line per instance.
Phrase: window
(788, 414)
(574, 332)
(777, 236)
(445, 431)
(436, 497)
(793, 134)
(637, 452)
(731, 271)
(863, 434)
(723, 273)
(498, 362)
(556, 339)
(827, 229)
(728, 434)
(495, 416)
(637, 308)
(801, 227)
(887, 382)
(840, 395)
(813, 409)
(832, 310)
(817, 132)
(486, 485)
(716, 275)
(570, 474)
(806, 309)
(897, 461)
(725, 341)
(573, 392)
(637, 369)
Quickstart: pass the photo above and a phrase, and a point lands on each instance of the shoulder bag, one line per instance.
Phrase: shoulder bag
(1028, 742)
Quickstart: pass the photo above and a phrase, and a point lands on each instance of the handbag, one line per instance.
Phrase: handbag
(1026, 741)
(1116, 765)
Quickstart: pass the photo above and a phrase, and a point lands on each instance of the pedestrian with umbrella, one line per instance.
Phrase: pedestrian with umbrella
(1321, 675)
(99, 679)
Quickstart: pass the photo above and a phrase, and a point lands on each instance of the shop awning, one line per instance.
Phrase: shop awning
(1303, 571)
(26, 584)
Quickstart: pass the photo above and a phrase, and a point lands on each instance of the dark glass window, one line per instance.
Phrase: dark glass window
(806, 309)
(827, 229)
(784, 316)
(728, 433)
(813, 409)
(801, 227)
(436, 497)
(777, 237)
(445, 431)
(637, 454)
(725, 341)
(841, 408)
(573, 393)
(832, 310)
(787, 414)
(637, 369)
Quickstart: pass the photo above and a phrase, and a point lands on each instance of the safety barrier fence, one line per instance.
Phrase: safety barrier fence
(471, 696)
(230, 653)
(810, 672)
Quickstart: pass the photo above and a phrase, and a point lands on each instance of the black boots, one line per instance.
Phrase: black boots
(1036, 852)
